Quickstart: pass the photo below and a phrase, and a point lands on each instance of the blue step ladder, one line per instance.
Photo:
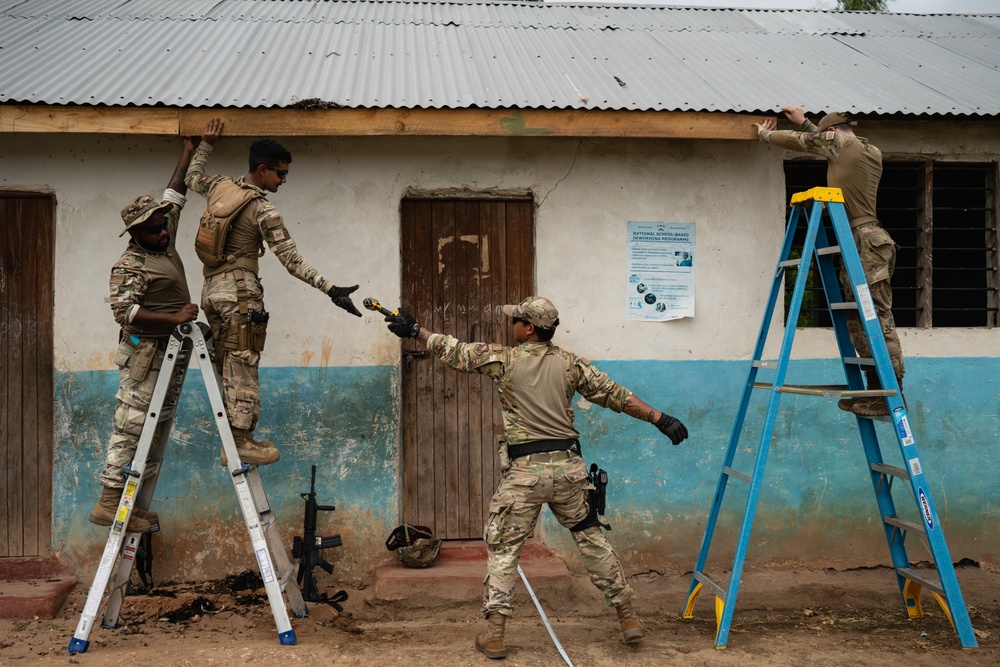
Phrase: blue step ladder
(808, 208)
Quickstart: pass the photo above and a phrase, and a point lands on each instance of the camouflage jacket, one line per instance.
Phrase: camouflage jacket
(853, 164)
(260, 222)
(535, 381)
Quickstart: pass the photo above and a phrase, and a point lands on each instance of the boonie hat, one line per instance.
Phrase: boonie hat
(537, 310)
(139, 209)
(835, 118)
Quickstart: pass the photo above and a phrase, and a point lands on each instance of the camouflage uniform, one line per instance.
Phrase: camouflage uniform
(855, 166)
(155, 281)
(536, 382)
(237, 280)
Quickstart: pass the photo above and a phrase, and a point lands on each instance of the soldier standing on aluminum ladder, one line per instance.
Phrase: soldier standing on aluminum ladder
(541, 459)
(233, 297)
(149, 297)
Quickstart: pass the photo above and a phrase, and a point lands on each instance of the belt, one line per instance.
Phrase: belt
(571, 446)
(863, 220)
(547, 457)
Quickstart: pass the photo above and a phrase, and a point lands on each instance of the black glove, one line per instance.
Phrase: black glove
(672, 428)
(341, 297)
(403, 324)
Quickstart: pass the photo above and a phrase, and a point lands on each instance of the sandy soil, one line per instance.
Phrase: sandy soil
(784, 616)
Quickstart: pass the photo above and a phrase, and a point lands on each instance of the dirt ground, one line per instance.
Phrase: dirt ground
(784, 616)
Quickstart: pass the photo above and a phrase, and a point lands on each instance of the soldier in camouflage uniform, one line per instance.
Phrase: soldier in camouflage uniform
(233, 297)
(540, 458)
(854, 166)
(149, 297)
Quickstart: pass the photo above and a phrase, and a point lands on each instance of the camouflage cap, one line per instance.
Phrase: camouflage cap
(139, 209)
(537, 310)
(835, 118)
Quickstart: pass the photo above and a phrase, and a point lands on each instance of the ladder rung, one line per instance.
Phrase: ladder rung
(844, 305)
(789, 262)
(831, 250)
(763, 363)
(825, 390)
(890, 470)
(737, 474)
(905, 524)
(859, 361)
(912, 575)
(711, 585)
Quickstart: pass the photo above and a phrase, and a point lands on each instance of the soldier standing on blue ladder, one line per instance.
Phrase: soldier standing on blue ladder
(541, 459)
(855, 166)
(149, 297)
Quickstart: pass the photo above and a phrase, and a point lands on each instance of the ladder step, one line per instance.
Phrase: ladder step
(890, 470)
(905, 524)
(932, 584)
(826, 390)
(761, 363)
(711, 585)
(844, 305)
(737, 474)
(789, 262)
(859, 361)
(830, 250)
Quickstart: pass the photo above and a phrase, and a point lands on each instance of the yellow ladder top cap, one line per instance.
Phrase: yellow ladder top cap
(818, 194)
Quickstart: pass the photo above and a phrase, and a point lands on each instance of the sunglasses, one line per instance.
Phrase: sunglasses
(280, 172)
(154, 229)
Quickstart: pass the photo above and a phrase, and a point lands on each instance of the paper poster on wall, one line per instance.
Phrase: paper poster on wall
(660, 271)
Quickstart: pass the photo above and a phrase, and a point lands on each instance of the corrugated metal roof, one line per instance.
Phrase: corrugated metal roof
(371, 54)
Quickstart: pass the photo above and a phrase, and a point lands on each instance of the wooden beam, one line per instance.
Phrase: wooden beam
(380, 122)
(18, 119)
(474, 122)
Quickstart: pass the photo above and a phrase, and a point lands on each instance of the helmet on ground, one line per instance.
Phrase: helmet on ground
(416, 546)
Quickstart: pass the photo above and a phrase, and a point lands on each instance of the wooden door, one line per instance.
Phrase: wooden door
(462, 260)
(27, 251)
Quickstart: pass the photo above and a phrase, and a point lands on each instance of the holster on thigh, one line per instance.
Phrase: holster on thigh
(247, 328)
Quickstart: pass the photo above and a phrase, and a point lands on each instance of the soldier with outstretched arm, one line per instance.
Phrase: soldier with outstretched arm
(233, 297)
(541, 459)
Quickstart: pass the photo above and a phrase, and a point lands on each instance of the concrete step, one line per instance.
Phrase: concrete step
(34, 586)
(458, 573)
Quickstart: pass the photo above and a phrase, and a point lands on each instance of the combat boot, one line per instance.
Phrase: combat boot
(872, 381)
(491, 641)
(106, 508)
(252, 452)
(876, 406)
(631, 627)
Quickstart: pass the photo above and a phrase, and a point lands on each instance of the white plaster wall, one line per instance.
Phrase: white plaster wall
(341, 204)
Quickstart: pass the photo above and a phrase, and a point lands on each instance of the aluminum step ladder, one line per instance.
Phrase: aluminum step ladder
(188, 341)
(808, 208)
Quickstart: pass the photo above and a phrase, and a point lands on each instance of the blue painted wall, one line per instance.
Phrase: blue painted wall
(817, 505)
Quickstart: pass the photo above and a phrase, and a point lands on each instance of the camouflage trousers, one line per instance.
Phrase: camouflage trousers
(525, 486)
(130, 414)
(877, 252)
(238, 368)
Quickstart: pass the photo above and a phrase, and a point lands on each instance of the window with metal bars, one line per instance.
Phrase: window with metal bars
(943, 217)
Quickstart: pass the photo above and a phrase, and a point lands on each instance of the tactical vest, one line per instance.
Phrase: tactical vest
(225, 203)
